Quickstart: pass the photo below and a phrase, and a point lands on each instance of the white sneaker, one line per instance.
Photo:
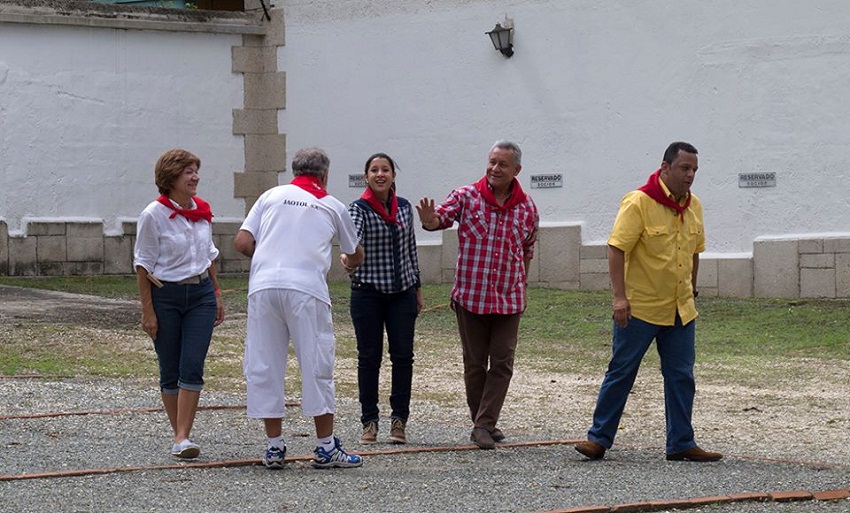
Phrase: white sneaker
(186, 450)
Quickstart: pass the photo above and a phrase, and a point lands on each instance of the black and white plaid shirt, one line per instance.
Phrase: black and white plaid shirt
(391, 264)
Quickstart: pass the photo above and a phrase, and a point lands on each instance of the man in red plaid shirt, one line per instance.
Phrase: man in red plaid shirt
(497, 229)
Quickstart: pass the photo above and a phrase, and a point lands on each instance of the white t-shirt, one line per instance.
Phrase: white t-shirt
(172, 249)
(294, 232)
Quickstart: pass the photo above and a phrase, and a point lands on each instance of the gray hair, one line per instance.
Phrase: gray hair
(509, 145)
(311, 161)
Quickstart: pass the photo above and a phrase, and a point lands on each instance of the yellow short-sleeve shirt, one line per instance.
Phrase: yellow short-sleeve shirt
(659, 247)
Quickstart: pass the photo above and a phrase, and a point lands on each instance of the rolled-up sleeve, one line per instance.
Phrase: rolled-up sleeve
(451, 209)
(146, 250)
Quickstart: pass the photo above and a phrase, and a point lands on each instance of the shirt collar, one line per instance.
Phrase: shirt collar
(670, 194)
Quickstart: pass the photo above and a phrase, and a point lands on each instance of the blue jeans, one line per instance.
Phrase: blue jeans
(371, 312)
(185, 315)
(676, 348)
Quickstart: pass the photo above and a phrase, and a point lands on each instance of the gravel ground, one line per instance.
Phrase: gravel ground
(526, 478)
(777, 437)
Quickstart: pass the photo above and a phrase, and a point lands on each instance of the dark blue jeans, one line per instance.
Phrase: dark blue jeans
(185, 315)
(676, 348)
(371, 312)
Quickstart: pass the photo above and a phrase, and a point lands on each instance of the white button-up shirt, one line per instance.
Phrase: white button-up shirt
(172, 249)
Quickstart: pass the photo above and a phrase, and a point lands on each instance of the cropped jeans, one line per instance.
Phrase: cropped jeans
(371, 312)
(676, 348)
(185, 316)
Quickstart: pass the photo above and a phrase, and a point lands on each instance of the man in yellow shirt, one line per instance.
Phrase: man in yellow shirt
(653, 259)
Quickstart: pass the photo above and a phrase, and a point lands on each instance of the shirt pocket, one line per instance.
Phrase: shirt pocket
(695, 232)
(477, 226)
(656, 239)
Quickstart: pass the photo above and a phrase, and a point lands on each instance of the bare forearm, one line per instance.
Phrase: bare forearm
(219, 305)
(144, 289)
(245, 243)
(617, 271)
(356, 258)
(695, 271)
(213, 276)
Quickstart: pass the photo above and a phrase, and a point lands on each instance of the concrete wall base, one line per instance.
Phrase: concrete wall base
(808, 266)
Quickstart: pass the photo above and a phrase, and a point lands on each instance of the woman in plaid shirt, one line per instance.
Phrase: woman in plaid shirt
(385, 294)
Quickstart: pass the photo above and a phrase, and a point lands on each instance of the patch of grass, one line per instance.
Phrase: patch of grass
(234, 287)
(817, 328)
(563, 323)
(561, 331)
(115, 287)
(73, 351)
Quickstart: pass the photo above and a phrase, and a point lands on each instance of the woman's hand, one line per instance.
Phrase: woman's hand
(149, 323)
(346, 264)
(219, 309)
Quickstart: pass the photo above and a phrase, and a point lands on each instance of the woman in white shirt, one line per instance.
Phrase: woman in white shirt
(181, 301)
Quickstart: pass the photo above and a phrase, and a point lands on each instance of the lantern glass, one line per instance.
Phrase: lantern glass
(501, 37)
(504, 39)
(495, 36)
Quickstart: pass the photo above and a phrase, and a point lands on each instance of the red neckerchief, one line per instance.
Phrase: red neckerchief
(201, 210)
(381, 209)
(516, 196)
(310, 184)
(653, 189)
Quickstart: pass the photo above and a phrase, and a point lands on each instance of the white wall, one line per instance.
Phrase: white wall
(85, 113)
(595, 91)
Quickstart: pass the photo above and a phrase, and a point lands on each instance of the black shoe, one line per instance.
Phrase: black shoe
(482, 438)
(497, 435)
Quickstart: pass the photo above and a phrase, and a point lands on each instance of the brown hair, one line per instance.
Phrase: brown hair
(170, 165)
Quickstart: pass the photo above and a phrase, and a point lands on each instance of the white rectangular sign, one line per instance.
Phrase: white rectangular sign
(356, 181)
(547, 181)
(756, 179)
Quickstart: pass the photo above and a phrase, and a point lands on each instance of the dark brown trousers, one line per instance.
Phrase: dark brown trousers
(489, 345)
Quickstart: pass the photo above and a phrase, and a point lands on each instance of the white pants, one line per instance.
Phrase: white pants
(276, 316)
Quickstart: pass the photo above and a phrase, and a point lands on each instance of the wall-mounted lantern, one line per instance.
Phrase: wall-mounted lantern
(502, 37)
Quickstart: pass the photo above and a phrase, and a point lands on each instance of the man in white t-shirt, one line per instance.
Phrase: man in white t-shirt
(289, 234)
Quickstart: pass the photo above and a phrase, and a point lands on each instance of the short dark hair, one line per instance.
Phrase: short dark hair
(310, 161)
(673, 150)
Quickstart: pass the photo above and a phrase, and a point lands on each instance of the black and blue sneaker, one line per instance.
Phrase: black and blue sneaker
(336, 457)
(274, 457)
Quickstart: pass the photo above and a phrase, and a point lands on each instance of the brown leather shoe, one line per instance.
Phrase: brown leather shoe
(591, 450)
(370, 433)
(482, 438)
(497, 435)
(694, 454)
(397, 431)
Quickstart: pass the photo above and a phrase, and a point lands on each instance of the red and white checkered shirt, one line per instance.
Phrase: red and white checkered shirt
(490, 277)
